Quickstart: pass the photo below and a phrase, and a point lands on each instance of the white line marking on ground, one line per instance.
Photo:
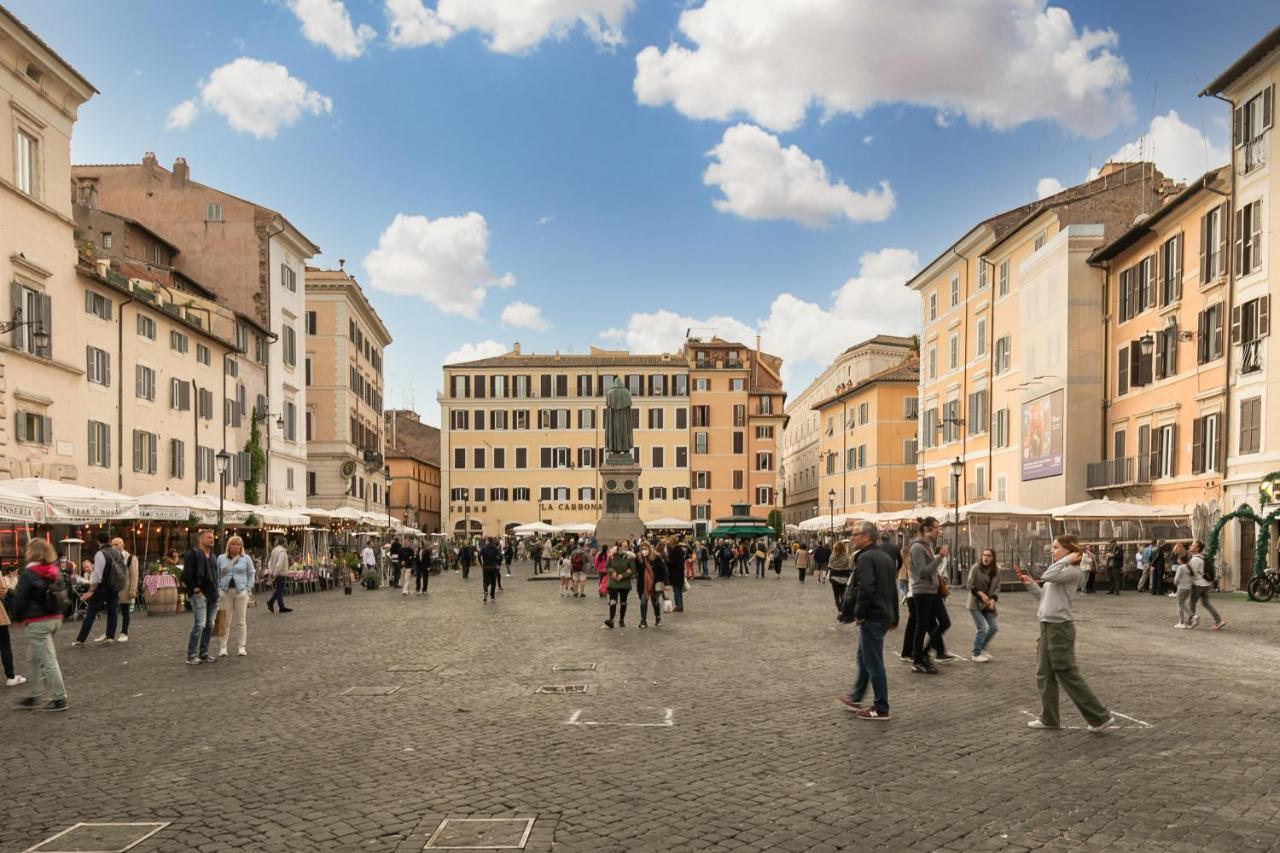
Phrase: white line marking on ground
(668, 720)
(1142, 723)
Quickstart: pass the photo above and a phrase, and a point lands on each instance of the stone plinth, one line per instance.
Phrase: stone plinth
(620, 477)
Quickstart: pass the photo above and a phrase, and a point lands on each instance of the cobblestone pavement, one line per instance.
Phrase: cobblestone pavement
(718, 731)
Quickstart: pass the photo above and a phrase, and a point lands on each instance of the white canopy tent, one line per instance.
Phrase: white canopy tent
(16, 507)
(1103, 508)
(667, 523)
(234, 513)
(579, 527)
(166, 505)
(535, 527)
(996, 508)
(819, 523)
(67, 503)
(283, 517)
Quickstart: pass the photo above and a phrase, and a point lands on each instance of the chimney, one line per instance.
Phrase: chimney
(180, 172)
(149, 160)
(515, 348)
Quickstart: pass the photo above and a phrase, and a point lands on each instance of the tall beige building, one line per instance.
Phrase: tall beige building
(799, 473)
(346, 345)
(523, 434)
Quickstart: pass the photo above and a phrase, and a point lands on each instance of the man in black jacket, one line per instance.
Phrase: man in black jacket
(872, 600)
(490, 560)
(200, 579)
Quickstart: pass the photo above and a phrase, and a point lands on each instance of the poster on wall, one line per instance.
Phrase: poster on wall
(1042, 437)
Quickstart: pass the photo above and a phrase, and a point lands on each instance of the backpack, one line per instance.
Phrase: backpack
(116, 572)
(1210, 573)
(56, 598)
(575, 562)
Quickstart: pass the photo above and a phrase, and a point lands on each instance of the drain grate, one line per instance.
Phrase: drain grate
(563, 689)
(574, 667)
(368, 691)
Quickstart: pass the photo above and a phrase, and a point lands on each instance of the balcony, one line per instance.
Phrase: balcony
(1118, 473)
(1251, 357)
(1253, 155)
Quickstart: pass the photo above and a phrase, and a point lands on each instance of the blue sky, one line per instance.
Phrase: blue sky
(597, 213)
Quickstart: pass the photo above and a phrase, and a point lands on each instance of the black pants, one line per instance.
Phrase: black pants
(6, 652)
(1116, 577)
(125, 608)
(1157, 580)
(537, 565)
(702, 566)
(837, 589)
(759, 567)
(466, 570)
(802, 571)
(491, 582)
(927, 607)
(618, 604)
(277, 594)
(421, 578)
(103, 599)
(1088, 586)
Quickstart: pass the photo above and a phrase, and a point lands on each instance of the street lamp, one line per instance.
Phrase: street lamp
(39, 334)
(831, 505)
(221, 460)
(957, 474)
(386, 473)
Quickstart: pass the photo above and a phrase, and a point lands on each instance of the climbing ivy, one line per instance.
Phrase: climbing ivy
(257, 459)
(1260, 551)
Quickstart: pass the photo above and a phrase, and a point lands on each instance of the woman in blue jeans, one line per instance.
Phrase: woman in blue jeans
(984, 589)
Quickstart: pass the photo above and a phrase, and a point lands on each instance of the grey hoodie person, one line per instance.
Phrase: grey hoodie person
(924, 568)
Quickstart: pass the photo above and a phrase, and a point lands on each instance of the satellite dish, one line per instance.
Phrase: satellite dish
(348, 468)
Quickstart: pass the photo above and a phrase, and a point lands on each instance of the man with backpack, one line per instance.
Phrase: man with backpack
(109, 578)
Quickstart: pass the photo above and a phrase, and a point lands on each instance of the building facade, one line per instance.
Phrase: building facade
(254, 259)
(867, 445)
(522, 434)
(413, 457)
(1012, 317)
(345, 346)
(1252, 453)
(799, 473)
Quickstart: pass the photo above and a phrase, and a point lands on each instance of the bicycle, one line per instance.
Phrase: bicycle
(1264, 587)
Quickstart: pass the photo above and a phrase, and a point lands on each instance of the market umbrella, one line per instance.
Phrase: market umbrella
(67, 503)
(1109, 509)
(534, 527)
(668, 524)
(20, 508)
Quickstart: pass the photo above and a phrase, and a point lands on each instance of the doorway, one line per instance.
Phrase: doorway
(1248, 542)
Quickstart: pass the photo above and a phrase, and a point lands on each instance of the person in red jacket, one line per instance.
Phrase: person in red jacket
(36, 605)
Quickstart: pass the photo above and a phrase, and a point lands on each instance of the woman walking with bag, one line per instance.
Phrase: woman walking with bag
(839, 570)
(984, 589)
(621, 568)
(235, 584)
(36, 605)
(651, 581)
(1056, 649)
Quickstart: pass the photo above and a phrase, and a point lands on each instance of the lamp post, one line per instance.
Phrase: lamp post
(831, 505)
(39, 335)
(221, 460)
(386, 496)
(957, 474)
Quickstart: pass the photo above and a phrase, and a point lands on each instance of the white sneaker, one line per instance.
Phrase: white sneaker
(123, 638)
(15, 681)
(241, 652)
(222, 652)
(1103, 726)
(1180, 625)
(100, 638)
(979, 658)
(1038, 724)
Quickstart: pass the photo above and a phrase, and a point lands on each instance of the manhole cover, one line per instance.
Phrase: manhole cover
(481, 833)
(563, 689)
(368, 691)
(413, 667)
(574, 667)
(98, 838)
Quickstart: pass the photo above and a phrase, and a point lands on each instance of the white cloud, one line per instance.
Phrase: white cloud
(762, 180)
(443, 260)
(1046, 187)
(254, 97)
(546, 220)
(472, 352)
(1179, 150)
(805, 334)
(523, 315)
(327, 23)
(511, 27)
(181, 116)
(613, 333)
(996, 62)
(868, 139)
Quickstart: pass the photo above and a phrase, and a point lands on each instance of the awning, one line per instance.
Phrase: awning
(67, 503)
(985, 508)
(20, 508)
(668, 523)
(580, 527)
(283, 517)
(534, 527)
(1112, 509)
(742, 530)
(166, 506)
(234, 513)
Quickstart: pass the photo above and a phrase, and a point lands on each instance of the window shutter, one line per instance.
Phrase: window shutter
(15, 291)
(46, 429)
(1239, 241)
(1197, 446)
(1146, 361)
(1235, 324)
(1237, 127)
(1173, 450)
(1264, 316)
(1160, 355)
(88, 361)
(1224, 218)
(1172, 358)
(1135, 364)
(1267, 96)
(1153, 270)
(1122, 379)
(1204, 249)
(93, 444)
(1152, 451)
(1202, 337)
(1177, 265)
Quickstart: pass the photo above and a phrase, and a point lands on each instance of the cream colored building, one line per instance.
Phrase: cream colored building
(803, 433)
(867, 450)
(1013, 317)
(1253, 411)
(522, 434)
(345, 345)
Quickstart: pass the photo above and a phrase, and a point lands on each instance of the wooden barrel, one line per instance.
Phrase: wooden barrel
(162, 601)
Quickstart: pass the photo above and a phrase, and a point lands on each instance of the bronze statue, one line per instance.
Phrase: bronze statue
(618, 438)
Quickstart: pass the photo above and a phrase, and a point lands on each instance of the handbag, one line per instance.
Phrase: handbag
(220, 626)
(659, 586)
(667, 605)
(944, 588)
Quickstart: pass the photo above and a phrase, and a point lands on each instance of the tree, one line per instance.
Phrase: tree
(775, 521)
(257, 459)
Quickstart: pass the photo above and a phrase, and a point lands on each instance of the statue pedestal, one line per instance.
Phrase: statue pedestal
(621, 479)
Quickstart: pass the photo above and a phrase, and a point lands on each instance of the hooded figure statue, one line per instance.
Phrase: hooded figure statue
(618, 438)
